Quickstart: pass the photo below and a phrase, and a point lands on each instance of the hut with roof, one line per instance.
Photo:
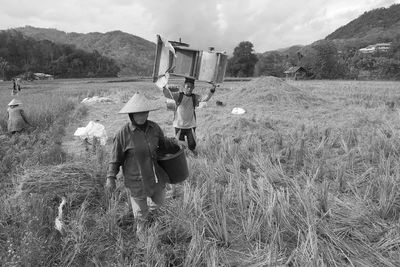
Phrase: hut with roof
(296, 73)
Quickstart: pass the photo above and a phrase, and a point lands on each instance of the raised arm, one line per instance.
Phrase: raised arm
(209, 94)
(167, 90)
(162, 84)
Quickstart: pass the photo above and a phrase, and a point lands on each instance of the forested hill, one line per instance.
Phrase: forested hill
(20, 55)
(134, 55)
(342, 54)
(381, 22)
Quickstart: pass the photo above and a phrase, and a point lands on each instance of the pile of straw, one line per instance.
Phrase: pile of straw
(72, 180)
(274, 90)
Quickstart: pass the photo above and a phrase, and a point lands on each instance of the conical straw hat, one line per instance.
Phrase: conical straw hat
(15, 102)
(138, 103)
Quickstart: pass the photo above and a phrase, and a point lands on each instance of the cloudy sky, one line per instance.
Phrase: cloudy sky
(268, 24)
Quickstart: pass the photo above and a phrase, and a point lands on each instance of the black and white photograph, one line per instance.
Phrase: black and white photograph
(207, 133)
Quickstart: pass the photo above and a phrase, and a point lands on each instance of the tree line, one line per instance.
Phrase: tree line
(324, 59)
(20, 55)
(337, 56)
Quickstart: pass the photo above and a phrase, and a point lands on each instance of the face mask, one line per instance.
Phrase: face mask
(134, 123)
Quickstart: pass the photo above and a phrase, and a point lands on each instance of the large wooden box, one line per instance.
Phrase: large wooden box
(200, 65)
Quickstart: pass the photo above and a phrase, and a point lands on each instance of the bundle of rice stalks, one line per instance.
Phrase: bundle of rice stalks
(72, 180)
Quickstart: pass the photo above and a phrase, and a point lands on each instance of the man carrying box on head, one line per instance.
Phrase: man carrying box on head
(186, 102)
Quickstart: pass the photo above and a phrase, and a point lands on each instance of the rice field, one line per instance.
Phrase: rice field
(308, 176)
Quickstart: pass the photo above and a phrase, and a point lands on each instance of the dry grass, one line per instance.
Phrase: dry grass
(73, 180)
(309, 176)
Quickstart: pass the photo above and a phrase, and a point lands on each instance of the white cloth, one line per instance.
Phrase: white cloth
(168, 45)
(91, 131)
(162, 82)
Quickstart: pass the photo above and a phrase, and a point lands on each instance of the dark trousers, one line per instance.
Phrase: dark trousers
(190, 135)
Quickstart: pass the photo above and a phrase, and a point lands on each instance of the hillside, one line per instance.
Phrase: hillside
(24, 55)
(371, 23)
(134, 55)
(338, 57)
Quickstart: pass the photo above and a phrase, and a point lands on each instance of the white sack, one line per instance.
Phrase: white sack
(92, 130)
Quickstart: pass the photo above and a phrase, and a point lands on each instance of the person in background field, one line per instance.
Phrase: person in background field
(135, 148)
(186, 103)
(17, 121)
(14, 90)
(16, 86)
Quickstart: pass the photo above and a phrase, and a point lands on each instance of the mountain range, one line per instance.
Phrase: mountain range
(134, 55)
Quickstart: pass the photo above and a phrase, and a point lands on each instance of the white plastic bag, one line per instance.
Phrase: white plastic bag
(92, 130)
(238, 111)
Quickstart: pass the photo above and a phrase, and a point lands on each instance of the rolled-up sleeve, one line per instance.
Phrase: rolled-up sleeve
(116, 158)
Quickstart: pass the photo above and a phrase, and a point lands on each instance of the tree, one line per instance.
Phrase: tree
(327, 62)
(270, 64)
(243, 61)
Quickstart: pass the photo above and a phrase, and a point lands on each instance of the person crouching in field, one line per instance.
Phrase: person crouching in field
(17, 121)
(185, 116)
(135, 148)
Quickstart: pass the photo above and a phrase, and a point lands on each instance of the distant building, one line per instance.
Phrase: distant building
(380, 47)
(43, 76)
(295, 73)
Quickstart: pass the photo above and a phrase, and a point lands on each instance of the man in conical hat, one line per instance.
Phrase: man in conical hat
(135, 148)
(17, 121)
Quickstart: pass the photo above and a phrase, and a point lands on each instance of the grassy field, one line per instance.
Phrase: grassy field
(308, 176)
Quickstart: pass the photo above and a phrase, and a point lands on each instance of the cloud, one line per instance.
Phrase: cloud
(268, 24)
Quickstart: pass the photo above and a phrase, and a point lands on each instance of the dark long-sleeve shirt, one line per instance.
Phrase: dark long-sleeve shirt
(137, 151)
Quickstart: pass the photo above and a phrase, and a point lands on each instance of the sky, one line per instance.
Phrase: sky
(223, 24)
